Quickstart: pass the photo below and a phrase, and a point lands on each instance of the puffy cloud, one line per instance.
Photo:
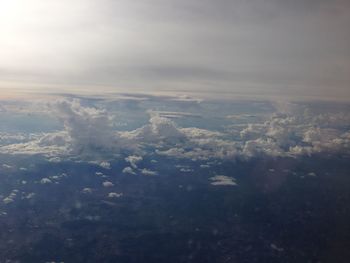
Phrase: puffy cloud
(203, 149)
(48, 144)
(261, 146)
(252, 131)
(158, 130)
(7, 138)
(297, 133)
(56, 139)
(291, 133)
(196, 133)
(87, 133)
(89, 129)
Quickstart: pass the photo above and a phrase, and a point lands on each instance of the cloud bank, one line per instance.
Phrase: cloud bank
(88, 133)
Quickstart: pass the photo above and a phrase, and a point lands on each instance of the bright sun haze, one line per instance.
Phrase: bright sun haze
(288, 48)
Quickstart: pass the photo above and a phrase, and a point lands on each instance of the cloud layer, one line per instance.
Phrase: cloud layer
(253, 47)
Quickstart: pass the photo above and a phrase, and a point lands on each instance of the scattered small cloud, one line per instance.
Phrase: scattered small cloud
(148, 172)
(133, 160)
(105, 165)
(7, 200)
(275, 247)
(29, 196)
(222, 180)
(107, 184)
(11, 197)
(115, 195)
(55, 160)
(312, 174)
(45, 181)
(186, 170)
(128, 170)
(87, 190)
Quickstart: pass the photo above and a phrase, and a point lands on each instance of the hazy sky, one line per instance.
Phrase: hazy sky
(272, 47)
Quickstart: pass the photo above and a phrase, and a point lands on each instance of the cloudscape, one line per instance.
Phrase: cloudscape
(174, 131)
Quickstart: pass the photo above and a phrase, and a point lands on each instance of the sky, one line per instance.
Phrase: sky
(257, 48)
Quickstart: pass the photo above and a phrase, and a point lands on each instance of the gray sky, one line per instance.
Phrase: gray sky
(254, 47)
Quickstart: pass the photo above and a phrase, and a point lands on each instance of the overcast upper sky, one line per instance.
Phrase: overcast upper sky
(254, 47)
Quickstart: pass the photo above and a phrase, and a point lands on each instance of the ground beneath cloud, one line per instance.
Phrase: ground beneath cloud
(279, 210)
